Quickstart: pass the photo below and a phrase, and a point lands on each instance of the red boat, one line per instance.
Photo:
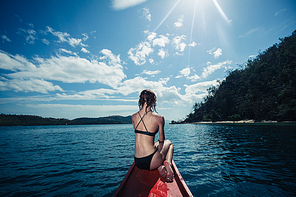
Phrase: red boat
(139, 182)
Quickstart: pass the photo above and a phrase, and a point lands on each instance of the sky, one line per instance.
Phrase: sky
(72, 58)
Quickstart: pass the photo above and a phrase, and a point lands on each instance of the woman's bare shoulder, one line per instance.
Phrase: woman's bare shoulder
(134, 115)
(158, 116)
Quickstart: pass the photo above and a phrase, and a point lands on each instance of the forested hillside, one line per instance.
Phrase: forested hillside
(28, 120)
(263, 89)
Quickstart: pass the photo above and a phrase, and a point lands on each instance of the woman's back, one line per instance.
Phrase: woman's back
(151, 120)
(146, 125)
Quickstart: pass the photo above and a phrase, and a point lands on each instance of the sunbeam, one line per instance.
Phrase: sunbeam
(167, 16)
(221, 11)
(192, 25)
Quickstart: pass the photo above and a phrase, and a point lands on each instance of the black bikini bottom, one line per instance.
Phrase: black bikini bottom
(144, 162)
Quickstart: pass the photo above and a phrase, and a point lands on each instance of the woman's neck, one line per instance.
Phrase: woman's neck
(145, 108)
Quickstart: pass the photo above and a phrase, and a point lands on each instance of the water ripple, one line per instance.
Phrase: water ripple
(214, 160)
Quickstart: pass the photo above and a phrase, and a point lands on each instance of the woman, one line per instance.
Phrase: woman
(150, 155)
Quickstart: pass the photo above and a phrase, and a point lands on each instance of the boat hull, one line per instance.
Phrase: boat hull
(139, 182)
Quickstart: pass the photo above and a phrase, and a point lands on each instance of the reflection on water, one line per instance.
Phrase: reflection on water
(215, 160)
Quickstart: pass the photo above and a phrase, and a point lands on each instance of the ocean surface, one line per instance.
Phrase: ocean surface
(92, 160)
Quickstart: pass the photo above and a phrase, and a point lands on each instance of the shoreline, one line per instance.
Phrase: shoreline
(246, 122)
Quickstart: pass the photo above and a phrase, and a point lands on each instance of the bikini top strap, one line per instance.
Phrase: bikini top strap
(142, 121)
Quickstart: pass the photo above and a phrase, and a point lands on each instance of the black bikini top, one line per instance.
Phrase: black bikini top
(143, 132)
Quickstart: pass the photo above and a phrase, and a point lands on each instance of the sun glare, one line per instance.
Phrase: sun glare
(201, 6)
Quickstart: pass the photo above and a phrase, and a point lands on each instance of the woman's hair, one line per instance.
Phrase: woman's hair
(150, 98)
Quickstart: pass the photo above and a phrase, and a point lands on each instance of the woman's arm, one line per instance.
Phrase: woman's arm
(161, 130)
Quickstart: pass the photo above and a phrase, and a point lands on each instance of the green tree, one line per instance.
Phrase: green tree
(263, 88)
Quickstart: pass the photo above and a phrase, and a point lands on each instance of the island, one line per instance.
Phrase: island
(262, 90)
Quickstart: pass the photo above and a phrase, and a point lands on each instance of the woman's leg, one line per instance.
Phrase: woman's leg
(168, 163)
(169, 155)
(166, 151)
(162, 154)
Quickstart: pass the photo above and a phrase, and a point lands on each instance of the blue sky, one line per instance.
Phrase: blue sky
(72, 58)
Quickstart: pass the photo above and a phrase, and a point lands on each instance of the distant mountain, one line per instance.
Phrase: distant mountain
(104, 120)
(30, 120)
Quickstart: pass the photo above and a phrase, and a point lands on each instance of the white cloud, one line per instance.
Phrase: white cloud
(45, 41)
(113, 59)
(70, 69)
(194, 78)
(74, 42)
(200, 87)
(133, 85)
(149, 72)
(138, 55)
(218, 53)
(95, 94)
(84, 50)
(28, 85)
(65, 37)
(68, 51)
(5, 38)
(215, 52)
(182, 46)
(279, 12)
(75, 111)
(193, 44)
(85, 36)
(146, 14)
(179, 45)
(151, 61)
(123, 4)
(212, 68)
(13, 63)
(206, 71)
(87, 95)
(30, 35)
(162, 53)
(164, 94)
(161, 41)
(186, 72)
(179, 23)
(137, 84)
(62, 36)
(100, 92)
(151, 35)
(170, 95)
(197, 91)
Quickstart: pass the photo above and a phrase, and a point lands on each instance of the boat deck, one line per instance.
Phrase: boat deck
(139, 182)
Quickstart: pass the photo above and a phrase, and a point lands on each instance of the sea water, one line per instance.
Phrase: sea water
(92, 160)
